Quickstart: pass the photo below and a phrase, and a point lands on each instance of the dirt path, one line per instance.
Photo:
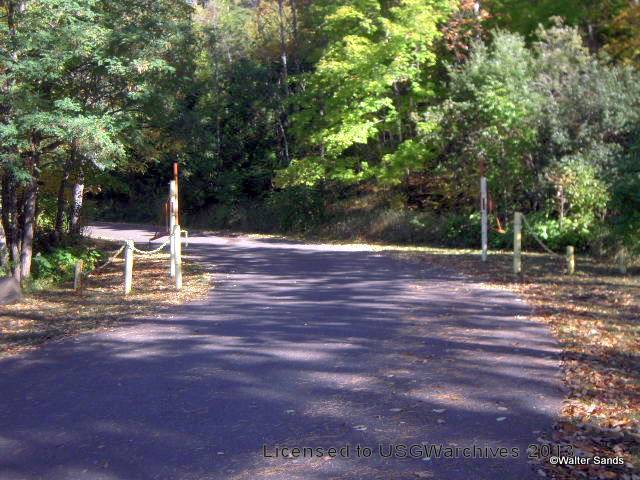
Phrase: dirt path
(297, 345)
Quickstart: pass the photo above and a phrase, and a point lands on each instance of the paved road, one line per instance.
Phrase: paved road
(297, 345)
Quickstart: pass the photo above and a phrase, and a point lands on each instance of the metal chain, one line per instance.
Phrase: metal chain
(540, 242)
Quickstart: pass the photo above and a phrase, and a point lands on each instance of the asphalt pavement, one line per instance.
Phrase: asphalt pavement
(297, 345)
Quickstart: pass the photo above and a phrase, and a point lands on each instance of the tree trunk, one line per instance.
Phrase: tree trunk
(4, 252)
(296, 36)
(285, 142)
(9, 214)
(77, 201)
(28, 226)
(284, 117)
(283, 48)
(10, 222)
(61, 193)
(562, 200)
(28, 206)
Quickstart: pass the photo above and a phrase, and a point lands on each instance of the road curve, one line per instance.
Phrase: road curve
(296, 346)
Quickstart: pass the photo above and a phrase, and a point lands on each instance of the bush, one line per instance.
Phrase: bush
(557, 235)
(58, 265)
(296, 208)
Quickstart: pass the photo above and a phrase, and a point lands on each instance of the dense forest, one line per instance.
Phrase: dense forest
(349, 118)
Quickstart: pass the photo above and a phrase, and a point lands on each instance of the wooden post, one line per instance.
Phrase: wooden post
(177, 194)
(622, 261)
(517, 243)
(485, 218)
(77, 279)
(172, 224)
(571, 261)
(128, 267)
(178, 256)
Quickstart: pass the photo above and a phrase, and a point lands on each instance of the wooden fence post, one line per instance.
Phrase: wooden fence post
(77, 278)
(517, 243)
(485, 217)
(173, 208)
(178, 256)
(622, 261)
(571, 261)
(128, 267)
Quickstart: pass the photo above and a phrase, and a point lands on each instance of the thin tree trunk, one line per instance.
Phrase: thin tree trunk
(66, 170)
(10, 222)
(77, 201)
(283, 48)
(4, 252)
(296, 38)
(29, 203)
(14, 7)
(592, 38)
(28, 226)
(284, 117)
(9, 214)
(285, 142)
(561, 204)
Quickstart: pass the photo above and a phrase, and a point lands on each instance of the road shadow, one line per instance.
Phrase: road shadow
(297, 345)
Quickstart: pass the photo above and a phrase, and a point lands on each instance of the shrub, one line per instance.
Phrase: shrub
(58, 265)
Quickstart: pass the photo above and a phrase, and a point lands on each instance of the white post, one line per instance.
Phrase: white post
(173, 208)
(77, 278)
(178, 256)
(128, 267)
(485, 218)
(517, 243)
(622, 261)
(571, 261)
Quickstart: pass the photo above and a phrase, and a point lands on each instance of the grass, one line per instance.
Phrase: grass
(57, 311)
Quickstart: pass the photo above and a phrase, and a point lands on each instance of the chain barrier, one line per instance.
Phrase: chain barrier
(537, 239)
(114, 256)
(159, 249)
(152, 252)
(111, 259)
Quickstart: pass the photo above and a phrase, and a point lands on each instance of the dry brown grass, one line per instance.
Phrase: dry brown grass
(58, 312)
(595, 315)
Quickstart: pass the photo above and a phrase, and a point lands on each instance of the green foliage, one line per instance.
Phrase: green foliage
(296, 209)
(558, 234)
(275, 120)
(58, 265)
(495, 107)
(409, 156)
(586, 193)
(626, 199)
(524, 16)
(549, 123)
(81, 90)
(372, 74)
